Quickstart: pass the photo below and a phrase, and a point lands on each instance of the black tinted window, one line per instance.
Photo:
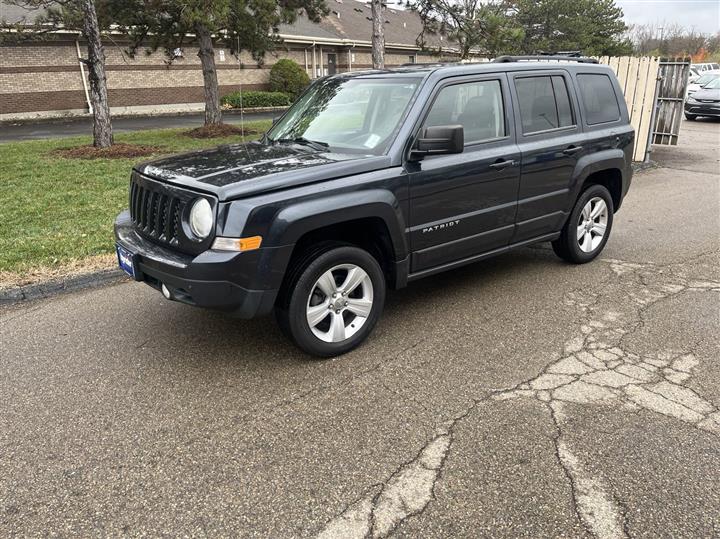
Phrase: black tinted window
(598, 96)
(477, 106)
(537, 104)
(562, 99)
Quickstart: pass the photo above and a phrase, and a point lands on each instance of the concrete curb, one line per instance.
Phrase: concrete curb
(60, 286)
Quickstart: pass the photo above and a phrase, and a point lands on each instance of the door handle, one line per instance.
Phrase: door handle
(499, 165)
(572, 149)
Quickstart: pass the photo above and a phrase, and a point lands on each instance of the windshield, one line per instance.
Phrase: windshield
(354, 115)
(712, 85)
(706, 78)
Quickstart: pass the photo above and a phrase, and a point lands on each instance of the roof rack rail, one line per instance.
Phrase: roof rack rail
(579, 59)
(426, 64)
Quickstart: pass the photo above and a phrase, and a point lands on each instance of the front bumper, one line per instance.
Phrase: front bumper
(702, 109)
(226, 281)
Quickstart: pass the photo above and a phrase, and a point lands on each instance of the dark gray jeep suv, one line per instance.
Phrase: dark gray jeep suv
(374, 179)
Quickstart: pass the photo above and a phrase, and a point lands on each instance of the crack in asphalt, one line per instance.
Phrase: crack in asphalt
(594, 368)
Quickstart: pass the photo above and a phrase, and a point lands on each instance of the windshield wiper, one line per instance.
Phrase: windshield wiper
(318, 145)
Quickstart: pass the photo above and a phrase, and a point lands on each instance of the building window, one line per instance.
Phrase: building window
(411, 59)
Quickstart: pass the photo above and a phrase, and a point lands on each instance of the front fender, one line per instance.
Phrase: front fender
(296, 220)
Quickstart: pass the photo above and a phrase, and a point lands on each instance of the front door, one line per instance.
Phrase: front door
(550, 142)
(464, 204)
(332, 63)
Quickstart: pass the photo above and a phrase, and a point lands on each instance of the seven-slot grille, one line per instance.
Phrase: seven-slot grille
(155, 213)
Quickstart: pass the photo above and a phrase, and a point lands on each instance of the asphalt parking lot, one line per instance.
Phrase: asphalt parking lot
(520, 397)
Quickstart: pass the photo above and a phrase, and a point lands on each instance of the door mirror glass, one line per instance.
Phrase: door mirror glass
(441, 139)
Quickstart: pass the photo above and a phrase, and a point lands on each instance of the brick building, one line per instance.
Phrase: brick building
(42, 78)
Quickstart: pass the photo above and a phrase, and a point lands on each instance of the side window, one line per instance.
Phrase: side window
(562, 99)
(477, 106)
(598, 96)
(544, 103)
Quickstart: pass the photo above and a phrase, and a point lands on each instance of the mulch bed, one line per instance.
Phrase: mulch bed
(217, 131)
(118, 150)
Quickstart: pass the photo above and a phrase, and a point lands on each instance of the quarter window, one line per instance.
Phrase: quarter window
(599, 99)
(544, 103)
(477, 106)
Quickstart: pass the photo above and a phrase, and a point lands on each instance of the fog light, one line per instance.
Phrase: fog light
(165, 292)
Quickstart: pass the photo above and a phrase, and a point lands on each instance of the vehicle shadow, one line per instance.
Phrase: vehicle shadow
(220, 338)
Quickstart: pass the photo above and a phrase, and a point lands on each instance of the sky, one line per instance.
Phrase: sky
(703, 15)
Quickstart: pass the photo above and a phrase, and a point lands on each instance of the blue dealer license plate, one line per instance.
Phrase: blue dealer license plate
(125, 260)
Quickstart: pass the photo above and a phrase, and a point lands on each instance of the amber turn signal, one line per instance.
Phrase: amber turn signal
(237, 244)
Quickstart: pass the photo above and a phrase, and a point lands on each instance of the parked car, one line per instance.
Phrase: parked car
(704, 102)
(701, 81)
(706, 67)
(698, 70)
(448, 165)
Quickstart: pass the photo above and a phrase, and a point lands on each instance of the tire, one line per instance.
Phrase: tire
(308, 290)
(691, 117)
(580, 245)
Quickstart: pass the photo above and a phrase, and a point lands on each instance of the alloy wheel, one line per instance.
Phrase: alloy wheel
(340, 303)
(592, 224)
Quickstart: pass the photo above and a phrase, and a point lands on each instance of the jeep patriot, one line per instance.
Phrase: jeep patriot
(374, 179)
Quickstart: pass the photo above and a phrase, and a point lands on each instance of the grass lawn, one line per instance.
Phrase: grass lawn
(55, 211)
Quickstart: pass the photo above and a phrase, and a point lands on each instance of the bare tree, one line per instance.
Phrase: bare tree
(475, 27)
(250, 25)
(672, 39)
(378, 35)
(102, 126)
(80, 15)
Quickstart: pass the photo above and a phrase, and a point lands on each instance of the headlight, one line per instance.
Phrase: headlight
(691, 99)
(201, 218)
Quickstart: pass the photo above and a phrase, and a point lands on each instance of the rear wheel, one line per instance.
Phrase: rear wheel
(587, 229)
(691, 116)
(333, 300)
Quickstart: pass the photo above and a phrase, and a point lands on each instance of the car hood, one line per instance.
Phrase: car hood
(703, 93)
(236, 170)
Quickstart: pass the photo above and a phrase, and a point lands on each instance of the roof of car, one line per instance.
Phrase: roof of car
(469, 68)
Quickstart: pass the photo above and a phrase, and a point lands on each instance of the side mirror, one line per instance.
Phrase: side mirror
(440, 139)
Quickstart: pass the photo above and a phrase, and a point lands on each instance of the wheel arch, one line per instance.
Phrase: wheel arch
(371, 220)
(607, 168)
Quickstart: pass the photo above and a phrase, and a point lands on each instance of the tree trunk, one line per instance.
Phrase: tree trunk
(102, 127)
(378, 35)
(213, 114)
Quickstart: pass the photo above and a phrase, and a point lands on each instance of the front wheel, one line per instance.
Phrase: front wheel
(691, 116)
(333, 302)
(587, 229)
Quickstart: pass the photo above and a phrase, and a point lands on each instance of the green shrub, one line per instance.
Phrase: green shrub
(257, 99)
(287, 76)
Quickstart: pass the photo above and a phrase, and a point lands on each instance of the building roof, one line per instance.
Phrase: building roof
(349, 21)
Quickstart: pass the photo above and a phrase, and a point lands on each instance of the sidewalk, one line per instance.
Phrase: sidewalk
(83, 126)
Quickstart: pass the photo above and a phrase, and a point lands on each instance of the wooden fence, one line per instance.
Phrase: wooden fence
(670, 99)
(638, 78)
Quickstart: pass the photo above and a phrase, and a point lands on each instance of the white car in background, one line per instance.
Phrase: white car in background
(698, 70)
(702, 81)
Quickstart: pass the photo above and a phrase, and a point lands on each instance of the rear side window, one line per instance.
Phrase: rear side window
(598, 96)
(544, 103)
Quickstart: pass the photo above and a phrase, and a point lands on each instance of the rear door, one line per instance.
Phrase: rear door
(464, 204)
(551, 142)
